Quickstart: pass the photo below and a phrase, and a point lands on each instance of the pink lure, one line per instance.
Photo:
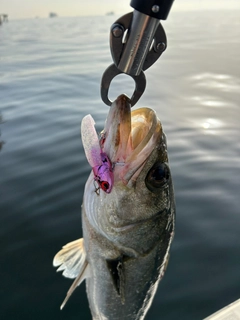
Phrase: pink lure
(98, 160)
(103, 174)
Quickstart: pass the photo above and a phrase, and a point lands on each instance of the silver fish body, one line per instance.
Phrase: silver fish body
(127, 233)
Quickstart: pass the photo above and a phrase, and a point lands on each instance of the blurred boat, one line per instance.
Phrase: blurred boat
(230, 312)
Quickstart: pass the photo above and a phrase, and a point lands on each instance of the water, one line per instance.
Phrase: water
(50, 71)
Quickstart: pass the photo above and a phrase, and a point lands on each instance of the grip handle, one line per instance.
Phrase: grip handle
(158, 9)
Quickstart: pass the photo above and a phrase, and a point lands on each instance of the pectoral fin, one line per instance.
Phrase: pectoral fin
(76, 283)
(72, 260)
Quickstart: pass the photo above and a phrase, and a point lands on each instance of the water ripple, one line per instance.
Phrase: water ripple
(223, 82)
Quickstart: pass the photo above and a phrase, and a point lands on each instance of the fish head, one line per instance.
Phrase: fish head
(142, 192)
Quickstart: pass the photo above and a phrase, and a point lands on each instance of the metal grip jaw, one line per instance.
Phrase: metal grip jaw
(111, 72)
(137, 40)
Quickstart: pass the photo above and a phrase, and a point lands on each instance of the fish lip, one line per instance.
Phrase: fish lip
(129, 137)
(117, 128)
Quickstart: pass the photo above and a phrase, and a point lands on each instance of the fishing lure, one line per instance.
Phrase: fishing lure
(98, 160)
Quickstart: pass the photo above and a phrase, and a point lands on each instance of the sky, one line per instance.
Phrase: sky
(18, 9)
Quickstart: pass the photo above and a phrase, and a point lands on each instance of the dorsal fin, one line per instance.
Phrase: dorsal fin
(72, 260)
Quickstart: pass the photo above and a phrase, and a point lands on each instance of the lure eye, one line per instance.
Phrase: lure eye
(104, 185)
(157, 176)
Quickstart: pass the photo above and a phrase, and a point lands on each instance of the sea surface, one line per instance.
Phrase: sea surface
(50, 72)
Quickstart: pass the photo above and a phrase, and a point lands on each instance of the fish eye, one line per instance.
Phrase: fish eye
(157, 176)
(104, 185)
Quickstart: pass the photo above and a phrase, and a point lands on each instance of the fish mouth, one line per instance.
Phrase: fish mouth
(129, 137)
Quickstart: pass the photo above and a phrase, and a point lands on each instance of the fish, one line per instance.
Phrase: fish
(128, 228)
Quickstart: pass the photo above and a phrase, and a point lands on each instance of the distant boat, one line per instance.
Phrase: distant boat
(52, 15)
(110, 13)
(3, 18)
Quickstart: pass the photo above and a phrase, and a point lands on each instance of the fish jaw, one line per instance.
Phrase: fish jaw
(117, 131)
(129, 138)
